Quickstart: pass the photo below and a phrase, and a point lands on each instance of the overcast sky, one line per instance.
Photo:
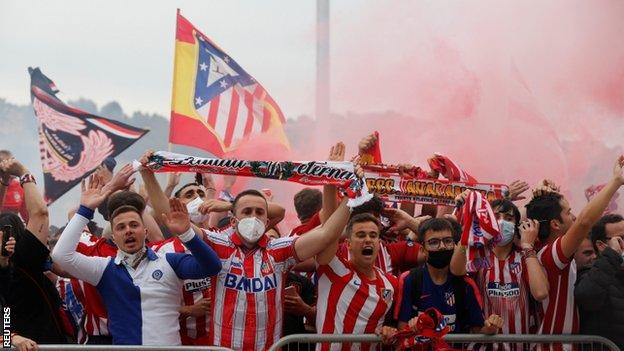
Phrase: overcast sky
(123, 50)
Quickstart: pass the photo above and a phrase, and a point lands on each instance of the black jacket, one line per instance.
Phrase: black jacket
(600, 292)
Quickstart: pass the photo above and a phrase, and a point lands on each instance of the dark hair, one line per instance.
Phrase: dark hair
(504, 205)
(179, 191)
(6, 153)
(361, 218)
(435, 225)
(123, 198)
(599, 232)
(251, 192)
(373, 206)
(124, 209)
(308, 201)
(545, 208)
(9, 218)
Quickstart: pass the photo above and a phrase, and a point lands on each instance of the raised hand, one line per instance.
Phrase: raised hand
(516, 189)
(214, 205)
(544, 187)
(366, 143)
(618, 170)
(337, 152)
(617, 244)
(145, 159)
(122, 179)
(13, 167)
(460, 199)
(178, 220)
(528, 231)
(173, 179)
(208, 181)
(93, 192)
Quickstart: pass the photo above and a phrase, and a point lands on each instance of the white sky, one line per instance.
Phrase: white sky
(123, 50)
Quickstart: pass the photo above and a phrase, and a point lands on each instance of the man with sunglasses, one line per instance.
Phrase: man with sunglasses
(457, 298)
(599, 291)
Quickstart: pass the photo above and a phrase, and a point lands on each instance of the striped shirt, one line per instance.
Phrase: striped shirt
(247, 306)
(505, 289)
(350, 303)
(558, 309)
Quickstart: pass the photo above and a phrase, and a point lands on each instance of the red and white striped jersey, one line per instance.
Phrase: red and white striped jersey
(193, 291)
(383, 262)
(505, 288)
(558, 309)
(95, 315)
(350, 303)
(247, 294)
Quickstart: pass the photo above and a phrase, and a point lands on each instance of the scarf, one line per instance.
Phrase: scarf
(449, 169)
(430, 330)
(414, 186)
(479, 230)
(341, 174)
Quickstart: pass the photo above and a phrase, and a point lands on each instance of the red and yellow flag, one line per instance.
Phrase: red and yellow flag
(215, 103)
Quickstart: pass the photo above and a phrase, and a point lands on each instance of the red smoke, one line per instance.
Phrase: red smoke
(509, 90)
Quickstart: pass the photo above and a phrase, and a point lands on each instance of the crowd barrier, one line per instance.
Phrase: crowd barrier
(593, 342)
(128, 348)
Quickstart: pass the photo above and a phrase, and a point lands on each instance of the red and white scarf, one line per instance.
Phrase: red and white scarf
(479, 230)
(341, 174)
(449, 169)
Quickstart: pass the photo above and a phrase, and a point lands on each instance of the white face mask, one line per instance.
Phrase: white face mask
(251, 229)
(507, 230)
(193, 210)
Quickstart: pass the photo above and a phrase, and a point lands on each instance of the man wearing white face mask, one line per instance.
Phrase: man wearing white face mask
(513, 273)
(247, 296)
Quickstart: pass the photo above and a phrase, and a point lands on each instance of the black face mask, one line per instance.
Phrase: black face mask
(439, 259)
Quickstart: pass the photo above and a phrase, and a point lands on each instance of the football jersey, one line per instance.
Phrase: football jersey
(247, 295)
(193, 291)
(558, 309)
(351, 303)
(441, 297)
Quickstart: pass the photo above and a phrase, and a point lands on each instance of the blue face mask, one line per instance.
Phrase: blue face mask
(507, 230)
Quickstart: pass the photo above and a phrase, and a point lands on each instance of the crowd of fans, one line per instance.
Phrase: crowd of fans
(185, 264)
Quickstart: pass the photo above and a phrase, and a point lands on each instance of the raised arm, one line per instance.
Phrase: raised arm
(323, 240)
(38, 218)
(538, 282)
(203, 262)
(160, 201)
(592, 211)
(330, 192)
(89, 269)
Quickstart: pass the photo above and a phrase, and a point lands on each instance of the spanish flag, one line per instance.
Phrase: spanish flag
(215, 103)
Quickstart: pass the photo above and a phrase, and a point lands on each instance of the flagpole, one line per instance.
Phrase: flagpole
(173, 83)
(322, 65)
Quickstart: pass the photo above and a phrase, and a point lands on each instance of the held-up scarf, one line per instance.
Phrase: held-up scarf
(373, 154)
(479, 230)
(341, 174)
(449, 169)
(415, 186)
(431, 327)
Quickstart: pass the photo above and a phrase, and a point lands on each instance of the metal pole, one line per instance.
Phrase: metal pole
(322, 61)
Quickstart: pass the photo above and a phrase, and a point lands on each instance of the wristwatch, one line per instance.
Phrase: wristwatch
(27, 178)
